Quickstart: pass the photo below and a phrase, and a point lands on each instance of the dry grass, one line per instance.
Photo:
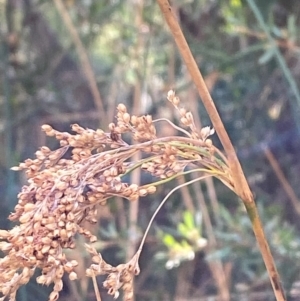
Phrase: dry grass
(67, 186)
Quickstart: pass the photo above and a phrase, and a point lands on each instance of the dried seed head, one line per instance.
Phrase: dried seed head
(53, 296)
(151, 189)
(122, 108)
(206, 132)
(58, 285)
(111, 126)
(46, 128)
(126, 117)
(171, 95)
(63, 194)
(208, 142)
(41, 279)
(72, 276)
(143, 192)
(4, 234)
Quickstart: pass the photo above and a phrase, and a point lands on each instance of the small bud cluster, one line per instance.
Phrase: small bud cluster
(120, 276)
(141, 127)
(165, 164)
(186, 118)
(66, 186)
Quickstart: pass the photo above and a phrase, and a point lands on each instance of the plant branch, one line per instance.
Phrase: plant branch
(162, 203)
(240, 183)
(282, 179)
(96, 289)
(83, 57)
(216, 266)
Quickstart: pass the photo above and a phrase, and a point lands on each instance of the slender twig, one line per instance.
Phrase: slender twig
(96, 289)
(161, 205)
(216, 266)
(281, 177)
(240, 183)
(210, 81)
(136, 174)
(83, 57)
(8, 108)
(242, 187)
(173, 125)
(186, 196)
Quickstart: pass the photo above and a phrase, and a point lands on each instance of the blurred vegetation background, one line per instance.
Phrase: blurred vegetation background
(73, 61)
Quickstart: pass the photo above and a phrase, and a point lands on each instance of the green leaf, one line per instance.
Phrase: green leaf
(185, 245)
(188, 220)
(292, 28)
(267, 56)
(183, 229)
(277, 32)
(236, 3)
(169, 240)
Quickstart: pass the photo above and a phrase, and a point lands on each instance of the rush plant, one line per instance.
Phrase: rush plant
(68, 185)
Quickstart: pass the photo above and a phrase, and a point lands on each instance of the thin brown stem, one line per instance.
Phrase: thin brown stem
(282, 179)
(241, 186)
(96, 289)
(216, 266)
(161, 205)
(136, 174)
(210, 81)
(186, 196)
(83, 57)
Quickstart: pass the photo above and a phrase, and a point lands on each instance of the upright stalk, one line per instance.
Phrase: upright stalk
(240, 184)
(84, 59)
(283, 180)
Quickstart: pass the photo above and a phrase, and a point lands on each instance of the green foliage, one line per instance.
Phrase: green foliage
(183, 243)
(236, 241)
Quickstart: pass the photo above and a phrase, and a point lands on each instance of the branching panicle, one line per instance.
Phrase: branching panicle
(66, 187)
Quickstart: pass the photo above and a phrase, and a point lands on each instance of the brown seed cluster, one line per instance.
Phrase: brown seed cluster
(187, 119)
(166, 163)
(60, 195)
(66, 186)
(141, 127)
(120, 276)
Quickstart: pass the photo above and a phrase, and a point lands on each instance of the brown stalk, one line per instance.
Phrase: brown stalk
(136, 174)
(186, 196)
(215, 266)
(240, 183)
(210, 81)
(282, 179)
(183, 285)
(96, 289)
(83, 57)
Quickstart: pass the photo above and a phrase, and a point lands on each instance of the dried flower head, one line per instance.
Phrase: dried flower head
(67, 186)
